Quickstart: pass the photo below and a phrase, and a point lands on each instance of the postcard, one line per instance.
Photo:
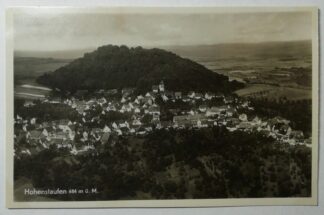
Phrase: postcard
(161, 107)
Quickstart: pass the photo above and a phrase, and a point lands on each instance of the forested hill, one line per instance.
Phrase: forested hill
(111, 67)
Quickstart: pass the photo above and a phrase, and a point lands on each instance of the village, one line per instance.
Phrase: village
(114, 113)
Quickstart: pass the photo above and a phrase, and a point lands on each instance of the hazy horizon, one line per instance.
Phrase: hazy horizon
(54, 29)
(75, 53)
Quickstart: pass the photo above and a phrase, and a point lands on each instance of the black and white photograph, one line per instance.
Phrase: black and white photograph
(136, 107)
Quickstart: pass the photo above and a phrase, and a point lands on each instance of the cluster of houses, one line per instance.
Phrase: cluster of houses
(143, 115)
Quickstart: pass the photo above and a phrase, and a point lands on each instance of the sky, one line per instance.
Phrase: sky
(63, 29)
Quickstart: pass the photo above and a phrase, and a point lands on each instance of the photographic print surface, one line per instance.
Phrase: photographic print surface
(144, 106)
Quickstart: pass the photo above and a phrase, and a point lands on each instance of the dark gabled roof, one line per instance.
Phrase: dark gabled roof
(154, 109)
(105, 137)
(35, 133)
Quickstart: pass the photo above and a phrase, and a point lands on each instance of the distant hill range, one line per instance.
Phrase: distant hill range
(302, 48)
(283, 50)
(111, 67)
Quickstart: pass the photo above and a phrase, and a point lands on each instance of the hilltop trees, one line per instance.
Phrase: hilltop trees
(117, 67)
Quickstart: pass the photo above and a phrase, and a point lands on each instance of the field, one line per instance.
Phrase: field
(274, 92)
(270, 70)
(27, 69)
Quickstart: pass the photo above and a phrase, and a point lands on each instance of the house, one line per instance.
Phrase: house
(68, 102)
(191, 112)
(148, 128)
(55, 100)
(201, 124)
(228, 100)
(244, 126)
(257, 121)
(34, 135)
(123, 125)
(202, 108)
(111, 108)
(209, 96)
(99, 92)
(60, 135)
(243, 117)
(285, 129)
(85, 135)
(278, 120)
(91, 102)
(164, 98)
(155, 88)
(166, 124)
(104, 138)
(219, 95)
(24, 127)
(76, 103)
(191, 94)
(230, 112)
(18, 119)
(127, 91)
(136, 122)
(140, 98)
(111, 92)
(114, 125)
(63, 124)
(161, 86)
(215, 111)
(81, 108)
(188, 120)
(132, 131)
(72, 135)
(102, 101)
(141, 131)
(185, 98)
(174, 111)
(198, 96)
(137, 110)
(32, 121)
(265, 133)
(28, 103)
(297, 135)
(45, 133)
(119, 132)
(148, 100)
(106, 129)
(148, 95)
(178, 95)
(181, 121)
(125, 130)
(96, 131)
(123, 100)
(308, 142)
(126, 108)
(156, 117)
(154, 110)
(169, 94)
(232, 122)
(221, 120)
(245, 104)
